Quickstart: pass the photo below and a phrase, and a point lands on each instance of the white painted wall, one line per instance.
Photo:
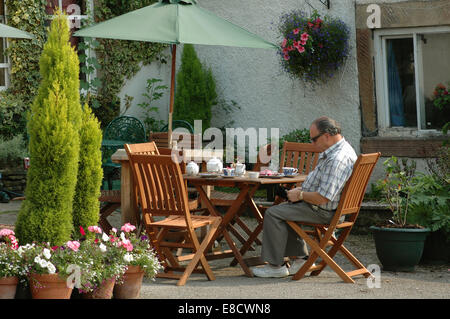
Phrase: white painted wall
(254, 79)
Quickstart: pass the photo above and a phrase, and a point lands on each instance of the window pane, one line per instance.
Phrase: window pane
(2, 77)
(401, 82)
(2, 56)
(436, 70)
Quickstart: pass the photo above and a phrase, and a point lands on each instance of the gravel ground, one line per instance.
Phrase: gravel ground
(427, 282)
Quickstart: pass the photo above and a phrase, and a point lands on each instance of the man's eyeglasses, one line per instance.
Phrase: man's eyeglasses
(314, 139)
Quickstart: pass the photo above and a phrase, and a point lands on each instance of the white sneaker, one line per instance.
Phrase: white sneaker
(296, 265)
(268, 271)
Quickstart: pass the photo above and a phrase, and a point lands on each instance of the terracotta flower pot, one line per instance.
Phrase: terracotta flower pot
(49, 286)
(8, 286)
(132, 283)
(104, 291)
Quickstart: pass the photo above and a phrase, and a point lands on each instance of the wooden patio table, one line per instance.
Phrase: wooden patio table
(248, 187)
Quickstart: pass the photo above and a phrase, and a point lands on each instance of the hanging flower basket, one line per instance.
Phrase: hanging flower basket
(312, 48)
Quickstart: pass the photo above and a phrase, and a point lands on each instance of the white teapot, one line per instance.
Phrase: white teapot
(214, 165)
(192, 168)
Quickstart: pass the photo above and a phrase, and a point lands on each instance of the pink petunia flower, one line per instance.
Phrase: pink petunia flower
(283, 44)
(290, 48)
(127, 228)
(302, 42)
(74, 245)
(95, 229)
(6, 232)
(287, 57)
(296, 30)
(304, 36)
(300, 49)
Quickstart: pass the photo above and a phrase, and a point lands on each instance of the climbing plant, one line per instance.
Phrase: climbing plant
(30, 16)
(119, 60)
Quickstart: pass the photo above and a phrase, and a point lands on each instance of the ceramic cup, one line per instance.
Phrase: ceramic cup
(228, 171)
(253, 174)
(289, 171)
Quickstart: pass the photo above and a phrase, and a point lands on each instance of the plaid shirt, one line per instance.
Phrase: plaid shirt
(334, 167)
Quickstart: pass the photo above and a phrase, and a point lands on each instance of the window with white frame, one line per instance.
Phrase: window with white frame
(410, 63)
(4, 65)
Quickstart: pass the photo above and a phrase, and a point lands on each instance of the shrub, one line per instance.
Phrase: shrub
(12, 150)
(46, 214)
(12, 115)
(196, 90)
(86, 205)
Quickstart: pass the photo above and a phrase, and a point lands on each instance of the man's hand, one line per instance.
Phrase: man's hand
(294, 194)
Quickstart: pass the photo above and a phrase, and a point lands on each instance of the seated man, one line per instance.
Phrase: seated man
(316, 201)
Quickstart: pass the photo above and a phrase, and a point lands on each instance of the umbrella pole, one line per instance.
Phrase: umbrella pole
(172, 91)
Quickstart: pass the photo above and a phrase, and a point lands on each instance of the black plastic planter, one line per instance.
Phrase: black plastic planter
(399, 249)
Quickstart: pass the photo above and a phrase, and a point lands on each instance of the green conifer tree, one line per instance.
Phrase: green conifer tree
(53, 128)
(86, 205)
(196, 90)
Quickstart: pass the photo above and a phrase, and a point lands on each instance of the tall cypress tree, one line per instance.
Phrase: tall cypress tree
(196, 90)
(86, 204)
(53, 128)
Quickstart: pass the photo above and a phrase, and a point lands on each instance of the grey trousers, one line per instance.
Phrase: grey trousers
(279, 239)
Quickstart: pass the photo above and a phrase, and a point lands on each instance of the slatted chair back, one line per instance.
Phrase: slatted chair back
(303, 156)
(148, 148)
(348, 207)
(161, 186)
(162, 192)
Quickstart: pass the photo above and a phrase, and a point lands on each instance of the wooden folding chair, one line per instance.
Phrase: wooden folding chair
(323, 234)
(164, 202)
(302, 156)
(111, 202)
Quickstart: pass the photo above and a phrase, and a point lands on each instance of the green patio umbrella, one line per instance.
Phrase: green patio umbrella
(9, 32)
(174, 22)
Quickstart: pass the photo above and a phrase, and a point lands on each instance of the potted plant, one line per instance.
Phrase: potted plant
(106, 257)
(11, 270)
(399, 245)
(141, 261)
(49, 267)
(312, 48)
(431, 207)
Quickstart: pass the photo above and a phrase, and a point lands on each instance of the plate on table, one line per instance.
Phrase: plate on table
(210, 175)
(292, 175)
(227, 176)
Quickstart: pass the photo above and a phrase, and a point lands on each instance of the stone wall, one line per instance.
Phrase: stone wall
(13, 178)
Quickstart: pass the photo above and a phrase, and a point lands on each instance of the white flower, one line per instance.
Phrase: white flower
(43, 263)
(122, 236)
(105, 237)
(47, 253)
(37, 259)
(128, 258)
(102, 247)
(51, 268)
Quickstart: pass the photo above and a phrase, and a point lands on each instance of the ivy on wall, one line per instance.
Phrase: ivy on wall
(119, 60)
(30, 16)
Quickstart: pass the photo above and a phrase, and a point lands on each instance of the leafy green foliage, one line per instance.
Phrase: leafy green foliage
(154, 91)
(431, 204)
(119, 60)
(196, 90)
(13, 110)
(86, 205)
(13, 149)
(53, 126)
(30, 16)
(398, 187)
(442, 102)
